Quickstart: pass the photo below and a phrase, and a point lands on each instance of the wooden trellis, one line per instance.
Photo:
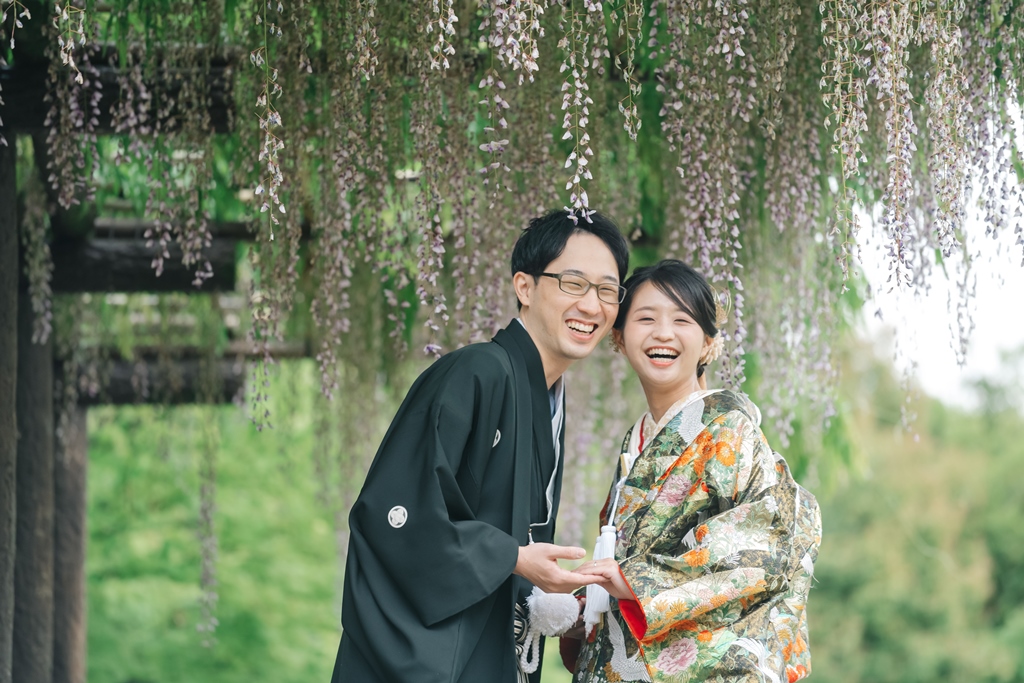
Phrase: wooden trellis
(42, 479)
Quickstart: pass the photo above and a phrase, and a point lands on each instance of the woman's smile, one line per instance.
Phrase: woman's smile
(663, 344)
(662, 355)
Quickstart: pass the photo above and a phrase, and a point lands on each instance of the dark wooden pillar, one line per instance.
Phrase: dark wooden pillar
(69, 551)
(33, 557)
(8, 370)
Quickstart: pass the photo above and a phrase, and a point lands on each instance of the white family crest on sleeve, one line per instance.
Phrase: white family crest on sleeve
(397, 516)
(497, 438)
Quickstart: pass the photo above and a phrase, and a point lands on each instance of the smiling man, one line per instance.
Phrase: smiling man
(454, 524)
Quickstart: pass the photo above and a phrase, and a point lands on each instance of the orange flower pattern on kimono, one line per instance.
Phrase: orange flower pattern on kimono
(717, 541)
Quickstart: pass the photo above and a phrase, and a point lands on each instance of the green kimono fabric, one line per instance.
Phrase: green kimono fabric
(717, 542)
(436, 529)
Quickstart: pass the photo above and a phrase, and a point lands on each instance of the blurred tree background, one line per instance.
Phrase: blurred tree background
(920, 578)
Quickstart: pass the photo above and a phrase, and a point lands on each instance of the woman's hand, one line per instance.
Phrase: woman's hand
(612, 579)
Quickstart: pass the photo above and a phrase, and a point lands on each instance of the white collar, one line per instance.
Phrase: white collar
(648, 428)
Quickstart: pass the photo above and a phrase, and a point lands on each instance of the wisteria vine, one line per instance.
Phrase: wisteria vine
(753, 138)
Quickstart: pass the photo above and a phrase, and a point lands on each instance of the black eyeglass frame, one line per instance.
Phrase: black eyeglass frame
(558, 276)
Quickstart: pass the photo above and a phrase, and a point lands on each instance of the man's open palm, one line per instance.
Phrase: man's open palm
(538, 564)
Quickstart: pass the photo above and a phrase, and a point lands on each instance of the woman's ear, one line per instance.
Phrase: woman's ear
(708, 341)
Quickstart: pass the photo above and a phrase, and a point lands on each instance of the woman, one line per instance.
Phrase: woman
(714, 542)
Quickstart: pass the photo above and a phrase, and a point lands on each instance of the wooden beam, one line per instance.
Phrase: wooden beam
(126, 265)
(182, 374)
(25, 87)
(240, 349)
(8, 393)
(33, 556)
(69, 621)
(120, 227)
(170, 381)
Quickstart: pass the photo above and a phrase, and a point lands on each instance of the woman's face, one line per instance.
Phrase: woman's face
(662, 342)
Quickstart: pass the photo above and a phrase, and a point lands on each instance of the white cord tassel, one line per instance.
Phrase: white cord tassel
(597, 597)
(550, 614)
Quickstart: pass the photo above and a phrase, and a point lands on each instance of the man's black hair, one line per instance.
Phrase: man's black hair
(544, 239)
(685, 286)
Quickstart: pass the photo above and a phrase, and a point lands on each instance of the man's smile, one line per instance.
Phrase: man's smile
(581, 327)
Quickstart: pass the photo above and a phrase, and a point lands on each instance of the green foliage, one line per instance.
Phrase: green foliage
(277, 569)
(919, 576)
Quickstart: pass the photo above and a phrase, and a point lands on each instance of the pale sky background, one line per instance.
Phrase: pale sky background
(921, 324)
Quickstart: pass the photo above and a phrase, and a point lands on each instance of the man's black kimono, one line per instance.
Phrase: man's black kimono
(435, 531)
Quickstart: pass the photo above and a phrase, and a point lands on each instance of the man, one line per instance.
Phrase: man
(454, 524)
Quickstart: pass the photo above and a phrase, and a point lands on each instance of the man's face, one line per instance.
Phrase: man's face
(564, 327)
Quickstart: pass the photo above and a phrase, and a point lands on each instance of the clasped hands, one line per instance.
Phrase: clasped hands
(538, 564)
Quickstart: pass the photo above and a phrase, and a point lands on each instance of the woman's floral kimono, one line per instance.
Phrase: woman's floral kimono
(717, 542)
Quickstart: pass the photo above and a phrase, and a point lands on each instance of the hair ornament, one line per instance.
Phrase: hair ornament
(723, 306)
(714, 350)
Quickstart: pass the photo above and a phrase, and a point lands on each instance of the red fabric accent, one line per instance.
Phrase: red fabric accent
(633, 613)
(642, 422)
(602, 515)
(634, 616)
(570, 648)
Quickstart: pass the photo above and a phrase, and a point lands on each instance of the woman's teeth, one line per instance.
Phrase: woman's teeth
(662, 354)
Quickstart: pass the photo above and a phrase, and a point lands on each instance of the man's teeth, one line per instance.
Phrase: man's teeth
(581, 327)
(662, 353)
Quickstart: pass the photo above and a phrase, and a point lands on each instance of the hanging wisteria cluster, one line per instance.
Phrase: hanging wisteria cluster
(387, 156)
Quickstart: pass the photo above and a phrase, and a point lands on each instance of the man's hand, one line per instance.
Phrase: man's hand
(609, 577)
(538, 564)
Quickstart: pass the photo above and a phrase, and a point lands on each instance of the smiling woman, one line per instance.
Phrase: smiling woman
(713, 540)
(671, 320)
(665, 347)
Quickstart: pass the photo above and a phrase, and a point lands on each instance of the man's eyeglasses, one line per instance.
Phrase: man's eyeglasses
(578, 286)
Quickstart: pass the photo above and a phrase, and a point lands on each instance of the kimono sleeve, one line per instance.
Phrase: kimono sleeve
(415, 536)
(733, 559)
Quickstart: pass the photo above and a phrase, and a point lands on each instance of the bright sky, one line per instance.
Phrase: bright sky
(920, 325)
